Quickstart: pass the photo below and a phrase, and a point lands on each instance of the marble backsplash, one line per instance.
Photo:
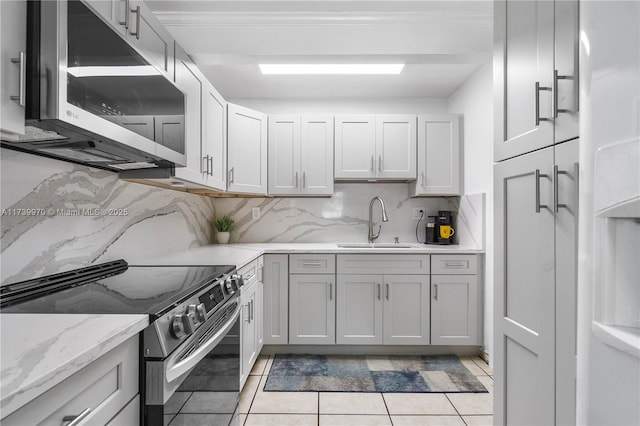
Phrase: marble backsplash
(75, 216)
(344, 217)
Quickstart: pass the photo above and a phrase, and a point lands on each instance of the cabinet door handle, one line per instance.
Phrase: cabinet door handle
(296, 179)
(372, 164)
(126, 14)
(379, 291)
(248, 317)
(205, 165)
(77, 419)
(22, 94)
(387, 287)
(304, 179)
(422, 176)
(137, 12)
(538, 205)
(231, 175)
(537, 108)
(435, 292)
(330, 291)
(211, 165)
(380, 162)
(253, 309)
(556, 187)
(557, 77)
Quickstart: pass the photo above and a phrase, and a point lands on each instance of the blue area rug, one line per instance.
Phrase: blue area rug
(361, 373)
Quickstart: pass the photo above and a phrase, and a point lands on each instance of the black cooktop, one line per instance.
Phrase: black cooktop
(118, 289)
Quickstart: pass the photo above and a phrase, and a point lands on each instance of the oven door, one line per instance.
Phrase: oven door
(199, 383)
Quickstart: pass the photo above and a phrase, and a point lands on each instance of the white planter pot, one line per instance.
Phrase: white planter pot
(223, 237)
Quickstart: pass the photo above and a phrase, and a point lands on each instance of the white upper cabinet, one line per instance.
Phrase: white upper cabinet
(375, 147)
(214, 138)
(536, 70)
(190, 81)
(439, 156)
(247, 150)
(300, 155)
(13, 16)
(396, 146)
(138, 25)
(355, 140)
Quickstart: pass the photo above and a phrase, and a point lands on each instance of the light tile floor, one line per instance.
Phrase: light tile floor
(258, 408)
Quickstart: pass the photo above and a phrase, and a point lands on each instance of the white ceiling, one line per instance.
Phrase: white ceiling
(443, 44)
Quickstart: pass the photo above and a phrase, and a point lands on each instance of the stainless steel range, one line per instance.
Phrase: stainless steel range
(190, 359)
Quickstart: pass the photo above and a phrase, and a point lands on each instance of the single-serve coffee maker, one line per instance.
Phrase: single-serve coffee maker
(439, 229)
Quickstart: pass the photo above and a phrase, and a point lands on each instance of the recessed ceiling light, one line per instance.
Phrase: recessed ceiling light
(115, 71)
(331, 68)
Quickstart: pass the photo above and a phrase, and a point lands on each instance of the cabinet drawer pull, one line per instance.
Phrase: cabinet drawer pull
(22, 89)
(387, 286)
(311, 263)
(454, 265)
(537, 108)
(379, 291)
(78, 419)
(539, 206)
(435, 292)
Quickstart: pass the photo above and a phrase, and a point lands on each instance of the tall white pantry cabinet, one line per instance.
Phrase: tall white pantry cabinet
(536, 194)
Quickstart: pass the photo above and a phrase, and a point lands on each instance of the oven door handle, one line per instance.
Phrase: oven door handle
(177, 369)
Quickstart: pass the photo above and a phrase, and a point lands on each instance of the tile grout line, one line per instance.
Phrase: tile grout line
(387, 408)
(454, 407)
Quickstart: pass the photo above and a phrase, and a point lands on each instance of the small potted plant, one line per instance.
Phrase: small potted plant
(224, 226)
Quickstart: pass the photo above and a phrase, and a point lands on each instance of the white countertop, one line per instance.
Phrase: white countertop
(41, 350)
(241, 254)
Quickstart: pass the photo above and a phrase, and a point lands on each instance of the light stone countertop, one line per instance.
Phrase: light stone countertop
(243, 253)
(41, 350)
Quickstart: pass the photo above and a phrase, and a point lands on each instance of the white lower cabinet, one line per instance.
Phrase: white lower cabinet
(383, 309)
(129, 415)
(251, 319)
(312, 309)
(276, 299)
(454, 310)
(104, 388)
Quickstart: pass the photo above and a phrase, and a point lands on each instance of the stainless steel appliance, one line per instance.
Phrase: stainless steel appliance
(92, 98)
(190, 360)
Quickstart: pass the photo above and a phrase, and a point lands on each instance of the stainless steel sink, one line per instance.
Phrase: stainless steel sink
(374, 245)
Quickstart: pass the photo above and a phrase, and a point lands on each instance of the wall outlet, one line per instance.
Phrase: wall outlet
(416, 212)
(255, 213)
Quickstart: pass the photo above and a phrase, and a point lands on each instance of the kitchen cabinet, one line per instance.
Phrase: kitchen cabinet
(384, 308)
(440, 159)
(251, 320)
(312, 299)
(312, 309)
(300, 155)
(375, 146)
(535, 67)
(13, 17)
(138, 25)
(246, 150)
(455, 300)
(214, 138)
(276, 299)
(103, 390)
(535, 286)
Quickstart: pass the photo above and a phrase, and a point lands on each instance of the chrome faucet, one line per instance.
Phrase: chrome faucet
(385, 218)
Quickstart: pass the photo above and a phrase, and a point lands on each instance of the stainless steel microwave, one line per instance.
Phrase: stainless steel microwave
(92, 98)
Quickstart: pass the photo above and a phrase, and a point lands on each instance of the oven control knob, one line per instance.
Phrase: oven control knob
(201, 312)
(239, 280)
(181, 325)
(230, 285)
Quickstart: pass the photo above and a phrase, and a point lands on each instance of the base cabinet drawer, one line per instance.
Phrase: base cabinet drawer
(103, 388)
(445, 264)
(383, 264)
(312, 264)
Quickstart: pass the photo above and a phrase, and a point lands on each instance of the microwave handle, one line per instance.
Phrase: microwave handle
(177, 369)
